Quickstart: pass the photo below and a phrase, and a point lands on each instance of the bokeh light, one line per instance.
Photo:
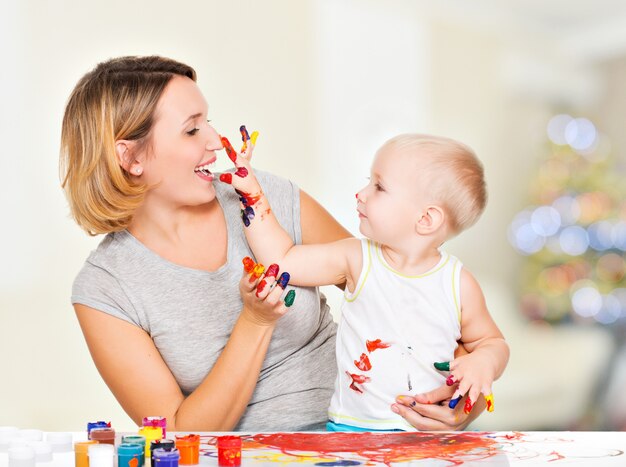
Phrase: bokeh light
(568, 208)
(574, 240)
(587, 301)
(574, 234)
(556, 128)
(580, 134)
(600, 235)
(545, 221)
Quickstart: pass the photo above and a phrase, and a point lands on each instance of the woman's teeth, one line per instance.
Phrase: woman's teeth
(204, 169)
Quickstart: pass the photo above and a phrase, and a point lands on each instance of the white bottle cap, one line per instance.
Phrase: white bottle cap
(22, 457)
(6, 434)
(31, 435)
(43, 451)
(17, 443)
(101, 455)
(60, 442)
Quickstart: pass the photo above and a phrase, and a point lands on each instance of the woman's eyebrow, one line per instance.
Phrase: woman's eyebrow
(192, 117)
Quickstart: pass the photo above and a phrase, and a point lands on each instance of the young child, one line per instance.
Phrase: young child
(407, 302)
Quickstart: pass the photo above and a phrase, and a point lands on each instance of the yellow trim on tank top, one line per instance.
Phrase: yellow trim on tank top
(369, 267)
(379, 253)
(456, 302)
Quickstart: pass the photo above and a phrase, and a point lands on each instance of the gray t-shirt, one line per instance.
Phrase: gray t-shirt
(190, 313)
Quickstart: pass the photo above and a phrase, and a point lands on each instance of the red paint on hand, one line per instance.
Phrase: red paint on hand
(468, 406)
(232, 154)
(226, 178)
(260, 287)
(248, 264)
(241, 172)
(272, 270)
(450, 380)
(375, 345)
(363, 363)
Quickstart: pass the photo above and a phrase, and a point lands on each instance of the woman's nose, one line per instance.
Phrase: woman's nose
(214, 141)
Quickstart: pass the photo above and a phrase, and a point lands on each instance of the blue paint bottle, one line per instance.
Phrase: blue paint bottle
(163, 458)
(166, 444)
(126, 452)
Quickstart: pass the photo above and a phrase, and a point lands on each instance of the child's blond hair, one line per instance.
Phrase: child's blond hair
(453, 175)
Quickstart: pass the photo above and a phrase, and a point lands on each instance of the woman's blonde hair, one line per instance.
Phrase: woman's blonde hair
(453, 176)
(115, 101)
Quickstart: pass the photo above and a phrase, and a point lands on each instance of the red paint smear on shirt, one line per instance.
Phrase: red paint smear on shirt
(376, 344)
(363, 363)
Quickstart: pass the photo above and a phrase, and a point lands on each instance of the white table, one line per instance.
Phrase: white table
(553, 449)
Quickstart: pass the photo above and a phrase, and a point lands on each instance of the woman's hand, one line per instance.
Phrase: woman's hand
(430, 411)
(261, 291)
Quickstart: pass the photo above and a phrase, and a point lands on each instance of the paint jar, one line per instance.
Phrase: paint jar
(135, 439)
(6, 434)
(189, 447)
(166, 444)
(80, 452)
(101, 455)
(17, 443)
(139, 441)
(160, 422)
(228, 451)
(31, 435)
(151, 433)
(103, 435)
(99, 424)
(126, 452)
(60, 442)
(163, 458)
(22, 456)
(43, 451)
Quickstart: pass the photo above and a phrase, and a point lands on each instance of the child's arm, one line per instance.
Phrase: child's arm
(308, 265)
(489, 353)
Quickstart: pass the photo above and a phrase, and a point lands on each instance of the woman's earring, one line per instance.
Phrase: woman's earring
(138, 171)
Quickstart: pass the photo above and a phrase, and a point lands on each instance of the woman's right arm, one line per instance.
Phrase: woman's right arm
(134, 370)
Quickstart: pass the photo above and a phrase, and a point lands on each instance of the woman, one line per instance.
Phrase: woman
(172, 327)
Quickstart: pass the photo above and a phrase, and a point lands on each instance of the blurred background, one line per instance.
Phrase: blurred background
(535, 87)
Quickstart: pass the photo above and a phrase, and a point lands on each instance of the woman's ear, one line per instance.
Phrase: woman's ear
(124, 150)
(430, 221)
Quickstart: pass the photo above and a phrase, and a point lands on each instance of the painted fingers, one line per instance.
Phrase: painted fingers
(241, 159)
(267, 283)
(467, 382)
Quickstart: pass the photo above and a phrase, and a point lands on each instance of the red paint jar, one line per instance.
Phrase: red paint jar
(229, 451)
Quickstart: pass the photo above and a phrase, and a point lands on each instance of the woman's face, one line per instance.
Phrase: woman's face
(181, 142)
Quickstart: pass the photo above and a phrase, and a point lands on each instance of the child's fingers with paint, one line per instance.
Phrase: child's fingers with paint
(243, 179)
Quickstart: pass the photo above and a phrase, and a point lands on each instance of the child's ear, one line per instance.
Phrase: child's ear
(124, 151)
(430, 221)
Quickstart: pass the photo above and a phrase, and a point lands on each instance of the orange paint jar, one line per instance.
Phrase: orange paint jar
(189, 448)
(80, 452)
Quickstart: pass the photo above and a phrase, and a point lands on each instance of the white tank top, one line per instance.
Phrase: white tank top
(392, 329)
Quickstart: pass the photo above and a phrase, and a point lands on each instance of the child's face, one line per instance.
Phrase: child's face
(393, 200)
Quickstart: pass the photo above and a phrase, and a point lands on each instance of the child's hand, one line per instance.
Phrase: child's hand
(473, 375)
(243, 180)
(261, 292)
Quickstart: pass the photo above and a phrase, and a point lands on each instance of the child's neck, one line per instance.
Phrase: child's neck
(412, 261)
